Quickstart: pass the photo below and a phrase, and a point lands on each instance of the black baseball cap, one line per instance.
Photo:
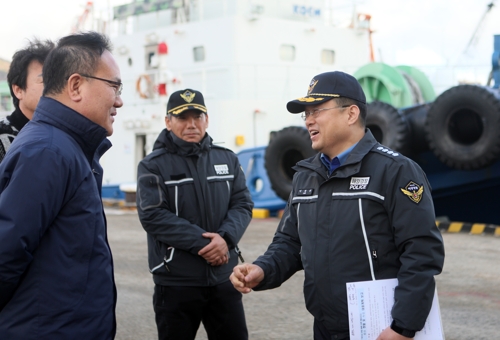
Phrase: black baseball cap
(326, 86)
(184, 100)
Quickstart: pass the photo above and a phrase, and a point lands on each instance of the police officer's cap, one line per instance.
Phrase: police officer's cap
(326, 86)
(183, 100)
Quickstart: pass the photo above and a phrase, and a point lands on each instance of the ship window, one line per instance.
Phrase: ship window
(199, 53)
(327, 56)
(287, 52)
(151, 57)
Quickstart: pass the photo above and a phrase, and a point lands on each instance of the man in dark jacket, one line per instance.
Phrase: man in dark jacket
(26, 86)
(194, 205)
(56, 272)
(358, 211)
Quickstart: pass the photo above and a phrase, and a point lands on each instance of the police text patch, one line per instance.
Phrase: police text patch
(359, 183)
(221, 169)
(413, 191)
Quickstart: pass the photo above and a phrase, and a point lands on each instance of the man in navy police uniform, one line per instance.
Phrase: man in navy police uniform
(358, 211)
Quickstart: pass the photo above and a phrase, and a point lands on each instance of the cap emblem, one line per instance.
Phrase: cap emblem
(311, 86)
(188, 96)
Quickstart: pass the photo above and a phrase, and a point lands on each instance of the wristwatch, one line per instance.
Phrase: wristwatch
(404, 332)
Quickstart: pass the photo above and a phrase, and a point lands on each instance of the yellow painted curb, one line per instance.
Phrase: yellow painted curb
(260, 213)
(455, 227)
(471, 228)
(477, 228)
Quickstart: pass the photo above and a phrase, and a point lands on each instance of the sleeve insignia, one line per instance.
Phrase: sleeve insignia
(413, 191)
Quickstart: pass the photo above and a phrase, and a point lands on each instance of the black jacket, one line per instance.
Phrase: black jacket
(9, 128)
(183, 190)
(376, 191)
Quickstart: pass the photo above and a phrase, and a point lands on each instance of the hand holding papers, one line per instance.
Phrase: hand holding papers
(369, 309)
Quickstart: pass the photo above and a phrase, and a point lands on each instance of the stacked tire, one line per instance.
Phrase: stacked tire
(286, 147)
(461, 127)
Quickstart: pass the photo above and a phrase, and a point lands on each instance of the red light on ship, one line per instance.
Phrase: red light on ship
(162, 48)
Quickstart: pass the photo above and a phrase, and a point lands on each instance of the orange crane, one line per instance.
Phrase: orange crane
(363, 21)
(80, 21)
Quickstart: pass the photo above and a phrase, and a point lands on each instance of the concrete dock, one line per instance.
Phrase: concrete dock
(468, 288)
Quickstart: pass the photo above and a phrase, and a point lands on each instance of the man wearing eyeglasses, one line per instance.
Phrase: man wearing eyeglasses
(193, 203)
(56, 273)
(358, 211)
(26, 86)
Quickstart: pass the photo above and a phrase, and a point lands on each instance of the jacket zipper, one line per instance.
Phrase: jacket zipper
(370, 262)
(375, 260)
(238, 251)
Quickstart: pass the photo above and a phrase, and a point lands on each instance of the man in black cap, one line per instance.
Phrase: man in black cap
(358, 211)
(194, 205)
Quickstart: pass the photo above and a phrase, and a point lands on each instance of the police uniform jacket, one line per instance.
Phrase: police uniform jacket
(184, 190)
(56, 273)
(372, 218)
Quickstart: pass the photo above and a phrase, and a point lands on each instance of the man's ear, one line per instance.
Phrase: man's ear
(167, 122)
(18, 91)
(74, 87)
(354, 113)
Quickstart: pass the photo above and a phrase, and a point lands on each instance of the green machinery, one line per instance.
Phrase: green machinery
(399, 86)
(5, 98)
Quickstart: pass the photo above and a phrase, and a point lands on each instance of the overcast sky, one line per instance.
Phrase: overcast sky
(413, 32)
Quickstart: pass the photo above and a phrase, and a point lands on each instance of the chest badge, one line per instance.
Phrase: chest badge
(359, 183)
(413, 191)
(221, 169)
(305, 192)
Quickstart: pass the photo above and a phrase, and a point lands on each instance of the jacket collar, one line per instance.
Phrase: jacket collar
(351, 165)
(86, 133)
(174, 144)
(18, 119)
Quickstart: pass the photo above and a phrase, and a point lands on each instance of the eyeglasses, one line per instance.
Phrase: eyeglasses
(118, 86)
(314, 113)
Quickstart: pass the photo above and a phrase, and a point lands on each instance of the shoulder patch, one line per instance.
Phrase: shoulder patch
(413, 191)
(215, 146)
(388, 151)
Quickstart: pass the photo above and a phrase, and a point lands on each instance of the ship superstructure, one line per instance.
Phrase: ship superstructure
(248, 58)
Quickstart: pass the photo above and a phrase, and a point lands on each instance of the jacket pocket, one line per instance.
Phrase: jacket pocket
(174, 262)
(180, 193)
(305, 207)
(162, 266)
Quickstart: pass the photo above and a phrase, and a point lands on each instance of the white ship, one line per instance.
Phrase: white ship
(248, 58)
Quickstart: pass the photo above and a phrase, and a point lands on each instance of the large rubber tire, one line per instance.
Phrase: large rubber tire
(463, 127)
(416, 116)
(286, 147)
(388, 126)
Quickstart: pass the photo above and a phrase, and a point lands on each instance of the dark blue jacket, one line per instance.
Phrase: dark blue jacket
(56, 269)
